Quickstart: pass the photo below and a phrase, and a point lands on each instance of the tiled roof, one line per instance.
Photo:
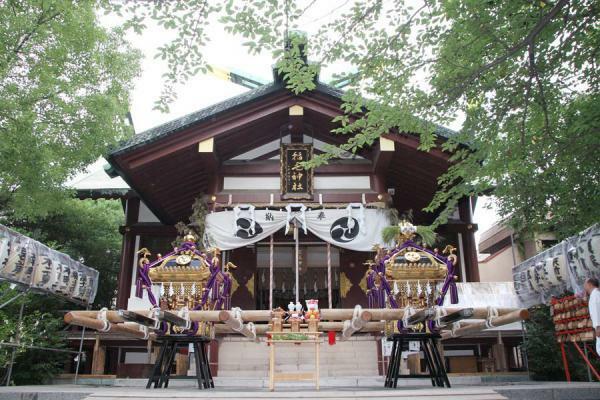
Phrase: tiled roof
(178, 124)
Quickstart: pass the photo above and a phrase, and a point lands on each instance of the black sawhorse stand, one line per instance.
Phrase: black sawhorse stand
(161, 372)
(435, 364)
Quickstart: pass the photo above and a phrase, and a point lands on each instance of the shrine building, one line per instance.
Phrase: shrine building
(291, 233)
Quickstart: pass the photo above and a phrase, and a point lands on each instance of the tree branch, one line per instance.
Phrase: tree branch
(527, 41)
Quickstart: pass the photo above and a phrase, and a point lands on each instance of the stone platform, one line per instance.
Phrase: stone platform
(181, 390)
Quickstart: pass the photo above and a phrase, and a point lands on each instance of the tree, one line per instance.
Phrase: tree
(64, 91)
(38, 328)
(524, 75)
(543, 352)
(86, 230)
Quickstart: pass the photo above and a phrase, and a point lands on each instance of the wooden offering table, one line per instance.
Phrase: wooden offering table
(300, 338)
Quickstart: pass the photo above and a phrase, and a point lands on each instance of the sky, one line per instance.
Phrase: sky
(226, 51)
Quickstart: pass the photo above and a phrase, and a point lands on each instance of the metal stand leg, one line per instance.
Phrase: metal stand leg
(440, 362)
(157, 369)
(430, 364)
(199, 370)
(398, 360)
(388, 375)
(167, 374)
(209, 378)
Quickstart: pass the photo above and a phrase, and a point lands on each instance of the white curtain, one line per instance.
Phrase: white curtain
(354, 228)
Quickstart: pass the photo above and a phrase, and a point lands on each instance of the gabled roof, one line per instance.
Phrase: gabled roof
(204, 114)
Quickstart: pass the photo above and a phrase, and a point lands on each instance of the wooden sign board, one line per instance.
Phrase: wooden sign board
(296, 182)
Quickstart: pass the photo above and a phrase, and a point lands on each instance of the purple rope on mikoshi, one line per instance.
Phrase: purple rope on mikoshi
(378, 298)
(219, 298)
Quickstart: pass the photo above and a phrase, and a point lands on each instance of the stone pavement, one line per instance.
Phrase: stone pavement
(520, 391)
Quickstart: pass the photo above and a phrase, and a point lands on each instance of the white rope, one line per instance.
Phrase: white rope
(361, 216)
(291, 215)
(251, 327)
(356, 316)
(454, 327)
(102, 316)
(144, 329)
(491, 314)
(439, 313)
(408, 311)
(185, 314)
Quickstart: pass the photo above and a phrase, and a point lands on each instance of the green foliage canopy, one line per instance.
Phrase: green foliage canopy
(523, 74)
(64, 91)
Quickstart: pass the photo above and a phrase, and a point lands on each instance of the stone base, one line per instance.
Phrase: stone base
(532, 391)
(241, 358)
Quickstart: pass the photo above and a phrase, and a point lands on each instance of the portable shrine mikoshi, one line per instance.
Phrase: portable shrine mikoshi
(406, 287)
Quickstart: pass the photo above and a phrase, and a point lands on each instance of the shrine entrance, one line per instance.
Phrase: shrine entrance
(313, 262)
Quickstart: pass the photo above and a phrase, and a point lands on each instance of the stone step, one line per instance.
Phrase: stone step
(434, 394)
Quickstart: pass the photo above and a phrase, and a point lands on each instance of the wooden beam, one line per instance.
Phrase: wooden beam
(149, 229)
(272, 167)
(412, 141)
(215, 127)
(476, 327)
(131, 329)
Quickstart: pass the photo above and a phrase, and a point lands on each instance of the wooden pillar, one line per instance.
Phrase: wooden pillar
(98, 358)
(468, 238)
(132, 209)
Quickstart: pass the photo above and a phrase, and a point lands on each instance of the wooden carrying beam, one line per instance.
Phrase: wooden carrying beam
(131, 329)
(475, 327)
(369, 320)
(327, 314)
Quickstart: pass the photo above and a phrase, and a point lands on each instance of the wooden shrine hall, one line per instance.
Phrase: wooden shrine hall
(239, 156)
